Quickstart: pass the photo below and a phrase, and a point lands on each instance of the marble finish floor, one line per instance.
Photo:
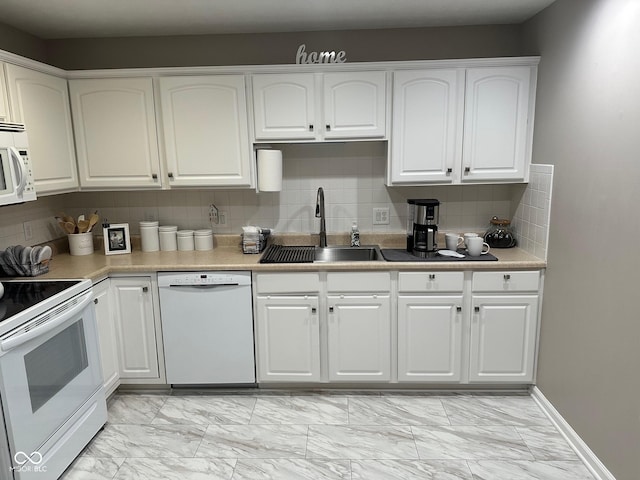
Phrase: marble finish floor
(309, 436)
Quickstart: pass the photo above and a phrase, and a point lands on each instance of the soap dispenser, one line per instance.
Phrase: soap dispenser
(355, 235)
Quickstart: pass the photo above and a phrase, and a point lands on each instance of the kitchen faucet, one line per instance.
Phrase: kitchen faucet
(320, 215)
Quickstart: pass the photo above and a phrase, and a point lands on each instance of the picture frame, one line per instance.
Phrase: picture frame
(116, 239)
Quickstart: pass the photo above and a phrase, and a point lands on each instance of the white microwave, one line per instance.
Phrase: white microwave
(16, 177)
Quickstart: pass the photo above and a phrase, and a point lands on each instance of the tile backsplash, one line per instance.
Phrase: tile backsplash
(351, 174)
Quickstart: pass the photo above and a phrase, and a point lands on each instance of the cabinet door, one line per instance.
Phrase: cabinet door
(427, 114)
(107, 335)
(205, 128)
(284, 106)
(4, 99)
(496, 128)
(41, 102)
(359, 337)
(135, 326)
(354, 105)
(503, 338)
(115, 127)
(288, 339)
(429, 338)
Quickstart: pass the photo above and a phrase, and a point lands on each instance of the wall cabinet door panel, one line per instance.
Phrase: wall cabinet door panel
(205, 128)
(41, 102)
(115, 127)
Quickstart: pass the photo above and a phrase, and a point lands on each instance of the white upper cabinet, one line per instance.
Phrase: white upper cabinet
(204, 120)
(4, 99)
(458, 125)
(41, 102)
(115, 127)
(425, 137)
(308, 106)
(284, 106)
(354, 105)
(497, 137)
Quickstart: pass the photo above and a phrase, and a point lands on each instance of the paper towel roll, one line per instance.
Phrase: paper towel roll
(270, 170)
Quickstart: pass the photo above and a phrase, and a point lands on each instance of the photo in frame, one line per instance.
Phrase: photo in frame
(116, 239)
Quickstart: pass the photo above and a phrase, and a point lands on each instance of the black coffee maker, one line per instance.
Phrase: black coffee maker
(422, 226)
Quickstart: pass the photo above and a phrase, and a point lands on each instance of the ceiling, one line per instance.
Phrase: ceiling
(54, 19)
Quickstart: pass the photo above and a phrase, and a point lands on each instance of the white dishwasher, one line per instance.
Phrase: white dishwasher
(207, 326)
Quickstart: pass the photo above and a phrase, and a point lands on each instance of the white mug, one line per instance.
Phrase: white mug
(468, 235)
(475, 246)
(453, 241)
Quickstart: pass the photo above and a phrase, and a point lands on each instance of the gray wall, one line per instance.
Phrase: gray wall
(588, 126)
(280, 48)
(21, 43)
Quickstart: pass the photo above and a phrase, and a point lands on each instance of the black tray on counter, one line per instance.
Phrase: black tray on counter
(401, 255)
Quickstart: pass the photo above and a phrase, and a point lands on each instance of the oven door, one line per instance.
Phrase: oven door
(49, 368)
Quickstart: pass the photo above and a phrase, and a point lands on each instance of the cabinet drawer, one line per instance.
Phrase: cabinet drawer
(506, 281)
(358, 282)
(421, 282)
(287, 283)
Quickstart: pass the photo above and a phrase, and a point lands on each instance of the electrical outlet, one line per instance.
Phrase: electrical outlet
(222, 216)
(381, 216)
(28, 230)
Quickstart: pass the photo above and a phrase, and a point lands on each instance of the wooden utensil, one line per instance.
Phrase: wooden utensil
(93, 219)
(83, 226)
(69, 227)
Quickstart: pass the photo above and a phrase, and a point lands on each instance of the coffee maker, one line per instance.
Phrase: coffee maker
(422, 226)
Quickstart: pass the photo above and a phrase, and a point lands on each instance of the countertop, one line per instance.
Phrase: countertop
(227, 255)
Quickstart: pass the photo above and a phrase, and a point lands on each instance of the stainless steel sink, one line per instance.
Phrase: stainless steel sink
(369, 253)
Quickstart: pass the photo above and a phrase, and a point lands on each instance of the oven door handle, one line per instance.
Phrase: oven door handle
(16, 339)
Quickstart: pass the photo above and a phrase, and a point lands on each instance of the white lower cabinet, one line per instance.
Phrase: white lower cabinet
(288, 339)
(359, 338)
(429, 338)
(103, 306)
(136, 328)
(503, 338)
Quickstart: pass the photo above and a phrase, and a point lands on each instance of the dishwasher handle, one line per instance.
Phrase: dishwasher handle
(205, 287)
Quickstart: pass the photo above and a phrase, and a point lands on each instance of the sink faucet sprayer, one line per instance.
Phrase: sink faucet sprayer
(320, 215)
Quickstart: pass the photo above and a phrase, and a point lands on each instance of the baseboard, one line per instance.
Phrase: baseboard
(591, 461)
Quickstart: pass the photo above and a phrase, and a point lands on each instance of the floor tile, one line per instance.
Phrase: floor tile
(176, 469)
(546, 443)
(146, 441)
(135, 408)
(93, 468)
(301, 410)
(464, 443)
(528, 470)
(493, 410)
(396, 410)
(254, 441)
(410, 470)
(292, 469)
(227, 410)
(361, 442)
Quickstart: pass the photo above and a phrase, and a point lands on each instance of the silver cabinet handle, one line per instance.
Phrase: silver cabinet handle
(467, 169)
(330, 309)
(145, 289)
(313, 310)
(476, 309)
(449, 170)
(154, 176)
(432, 276)
(171, 175)
(458, 309)
(311, 127)
(507, 277)
(95, 300)
(328, 127)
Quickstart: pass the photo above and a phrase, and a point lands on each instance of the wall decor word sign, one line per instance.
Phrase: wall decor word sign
(319, 57)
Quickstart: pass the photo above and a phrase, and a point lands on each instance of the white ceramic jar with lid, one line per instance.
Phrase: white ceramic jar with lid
(149, 236)
(185, 240)
(203, 239)
(168, 238)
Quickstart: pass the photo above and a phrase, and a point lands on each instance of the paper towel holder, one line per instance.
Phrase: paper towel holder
(269, 166)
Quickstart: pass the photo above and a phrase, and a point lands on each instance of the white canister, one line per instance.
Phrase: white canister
(149, 236)
(203, 239)
(168, 239)
(81, 243)
(185, 240)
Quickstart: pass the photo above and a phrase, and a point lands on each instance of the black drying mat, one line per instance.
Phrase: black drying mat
(286, 254)
(401, 255)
